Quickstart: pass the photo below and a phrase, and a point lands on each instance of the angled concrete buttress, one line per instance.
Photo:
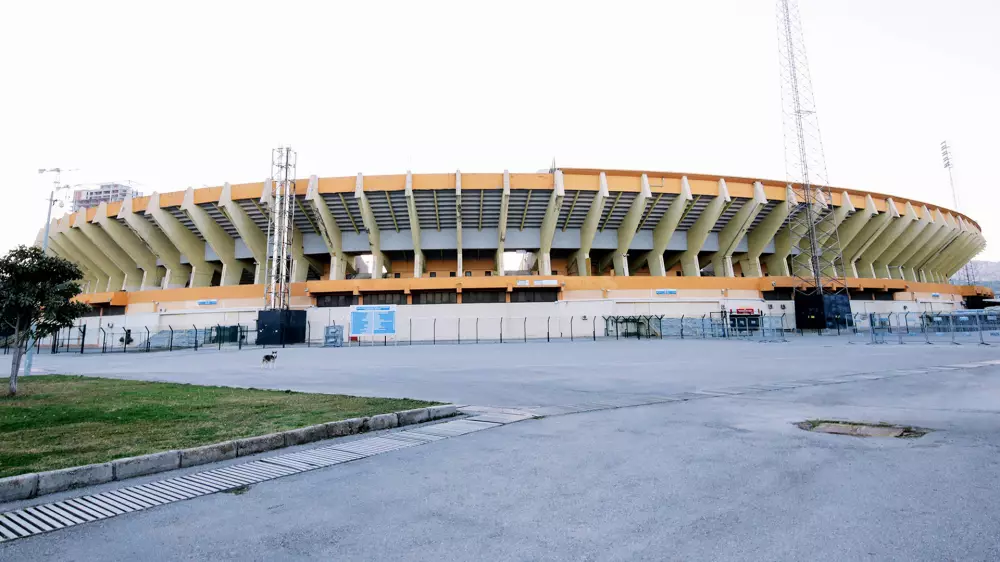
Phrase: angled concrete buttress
(251, 234)
(580, 259)
(936, 263)
(885, 264)
(801, 262)
(221, 243)
(699, 232)
(328, 230)
(548, 229)
(627, 229)
(419, 261)
(937, 244)
(379, 262)
(116, 277)
(184, 240)
(458, 223)
(69, 250)
(732, 234)
(178, 274)
(765, 231)
(133, 246)
(89, 281)
(865, 265)
(868, 236)
(502, 226)
(109, 247)
(663, 232)
(908, 259)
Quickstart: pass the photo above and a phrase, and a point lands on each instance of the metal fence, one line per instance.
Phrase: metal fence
(958, 327)
(955, 327)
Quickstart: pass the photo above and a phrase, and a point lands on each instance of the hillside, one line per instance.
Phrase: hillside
(986, 273)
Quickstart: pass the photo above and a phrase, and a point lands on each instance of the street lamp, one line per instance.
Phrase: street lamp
(56, 186)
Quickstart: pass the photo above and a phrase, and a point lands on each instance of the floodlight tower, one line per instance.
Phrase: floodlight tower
(280, 228)
(969, 270)
(816, 262)
(816, 257)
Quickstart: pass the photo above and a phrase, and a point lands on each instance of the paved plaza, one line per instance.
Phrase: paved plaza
(725, 476)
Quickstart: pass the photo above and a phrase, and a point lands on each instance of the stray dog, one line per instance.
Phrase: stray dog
(270, 359)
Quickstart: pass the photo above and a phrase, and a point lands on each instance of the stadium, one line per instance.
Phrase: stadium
(570, 243)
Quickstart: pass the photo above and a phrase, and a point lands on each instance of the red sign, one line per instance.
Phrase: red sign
(745, 311)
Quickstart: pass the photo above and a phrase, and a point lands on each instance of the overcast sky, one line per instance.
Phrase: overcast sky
(197, 93)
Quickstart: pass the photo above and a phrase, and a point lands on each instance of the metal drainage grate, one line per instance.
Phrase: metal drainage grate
(67, 513)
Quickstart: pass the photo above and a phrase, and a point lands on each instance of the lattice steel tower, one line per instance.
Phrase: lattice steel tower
(816, 257)
(280, 228)
(968, 269)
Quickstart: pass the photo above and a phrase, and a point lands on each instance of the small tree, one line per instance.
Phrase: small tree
(35, 298)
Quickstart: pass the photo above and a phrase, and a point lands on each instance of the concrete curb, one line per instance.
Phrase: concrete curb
(26, 486)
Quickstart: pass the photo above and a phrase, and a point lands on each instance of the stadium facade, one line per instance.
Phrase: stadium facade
(592, 242)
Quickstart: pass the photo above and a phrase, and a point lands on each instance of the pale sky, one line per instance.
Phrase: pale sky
(198, 93)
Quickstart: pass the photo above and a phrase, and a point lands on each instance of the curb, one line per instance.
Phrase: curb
(26, 486)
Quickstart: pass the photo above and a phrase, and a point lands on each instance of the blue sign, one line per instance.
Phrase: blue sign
(207, 301)
(373, 320)
(666, 291)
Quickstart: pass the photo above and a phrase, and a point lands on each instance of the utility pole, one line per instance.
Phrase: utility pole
(969, 270)
(56, 186)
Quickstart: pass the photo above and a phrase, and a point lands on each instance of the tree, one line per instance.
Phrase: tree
(35, 298)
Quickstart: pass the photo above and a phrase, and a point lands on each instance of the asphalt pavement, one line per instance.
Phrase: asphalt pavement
(716, 478)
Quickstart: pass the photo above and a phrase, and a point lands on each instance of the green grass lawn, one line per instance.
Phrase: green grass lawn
(60, 421)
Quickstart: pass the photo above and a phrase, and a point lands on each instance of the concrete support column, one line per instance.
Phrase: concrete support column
(184, 240)
(133, 246)
(91, 282)
(502, 227)
(222, 244)
(101, 280)
(952, 251)
(371, 227)
(548, 229)
(664, 231)
(734, 231)
(580, 259)
(626, 231)
(881, 244)
(110, 249)
(868, 235)
(960, 256)
(759, 237)
(419, 262)
(912, 256)
(75, 237)
(885, 265)
(178, 275)
(699, 232)
(249, 232)
(968, 255)
(937, 245)
(458, 226)
(329, 230)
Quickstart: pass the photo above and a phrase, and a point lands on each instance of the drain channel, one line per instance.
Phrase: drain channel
(44, 518)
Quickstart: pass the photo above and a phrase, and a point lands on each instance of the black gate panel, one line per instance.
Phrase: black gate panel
(280, 327)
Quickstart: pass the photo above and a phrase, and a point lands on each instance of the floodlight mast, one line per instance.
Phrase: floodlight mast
(280, 229)
(816, 259)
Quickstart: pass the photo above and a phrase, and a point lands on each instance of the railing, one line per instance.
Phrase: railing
(952, 328)
(958, 327)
